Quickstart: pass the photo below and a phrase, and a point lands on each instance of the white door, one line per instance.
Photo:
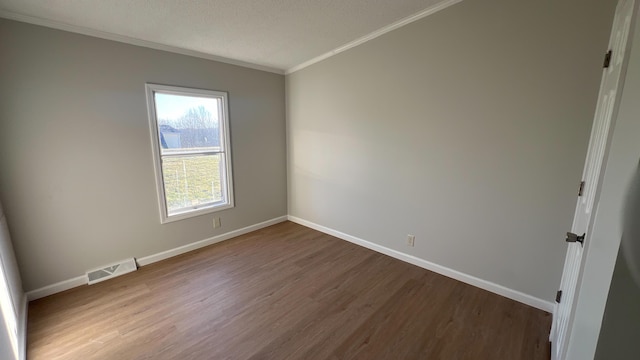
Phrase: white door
(608, 100)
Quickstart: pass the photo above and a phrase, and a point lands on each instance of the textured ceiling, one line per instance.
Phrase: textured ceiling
(278, 34)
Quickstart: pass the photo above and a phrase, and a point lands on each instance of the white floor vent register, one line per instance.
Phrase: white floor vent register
(111, 271)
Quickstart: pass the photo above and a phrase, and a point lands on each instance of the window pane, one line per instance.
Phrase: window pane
(191, 150)
(192, 181)
(187, 123)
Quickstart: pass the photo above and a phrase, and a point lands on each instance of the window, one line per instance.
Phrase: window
(190, 137)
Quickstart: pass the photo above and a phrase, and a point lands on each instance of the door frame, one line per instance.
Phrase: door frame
(600, 252)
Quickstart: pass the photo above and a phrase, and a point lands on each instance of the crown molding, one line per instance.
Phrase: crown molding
(132, 41)
(398, 24)
(174, 49)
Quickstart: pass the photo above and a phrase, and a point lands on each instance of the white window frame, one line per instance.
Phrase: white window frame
(225, 150)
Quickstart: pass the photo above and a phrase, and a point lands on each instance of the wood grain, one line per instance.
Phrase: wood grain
(284, 292)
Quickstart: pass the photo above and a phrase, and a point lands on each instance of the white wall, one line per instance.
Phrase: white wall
(77, 177)
(467, 128)
(11, 283)
(602, 251)
(6, 351)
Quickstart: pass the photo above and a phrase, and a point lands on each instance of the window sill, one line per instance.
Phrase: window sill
(193, 213)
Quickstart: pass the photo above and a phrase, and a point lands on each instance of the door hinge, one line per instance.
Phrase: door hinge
(607, 59)
(581, 189)
(558, 296)
(571, 237)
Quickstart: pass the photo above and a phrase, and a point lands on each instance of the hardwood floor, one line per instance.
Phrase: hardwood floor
(284, 292)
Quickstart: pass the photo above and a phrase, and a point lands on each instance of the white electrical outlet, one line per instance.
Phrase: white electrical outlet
(216, 222)
(411, 240)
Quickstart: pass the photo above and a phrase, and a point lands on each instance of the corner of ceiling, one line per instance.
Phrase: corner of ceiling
(153, 45)
(132, 41)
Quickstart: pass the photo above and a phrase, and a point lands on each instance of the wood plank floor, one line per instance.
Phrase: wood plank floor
(284, 292)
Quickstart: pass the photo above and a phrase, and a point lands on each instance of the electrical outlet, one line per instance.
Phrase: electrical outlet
(411, 240)
(216, 222)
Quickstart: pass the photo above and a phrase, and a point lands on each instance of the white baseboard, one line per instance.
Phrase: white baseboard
(206, 242)
(56, 288)
(82, 280)
(454, 274)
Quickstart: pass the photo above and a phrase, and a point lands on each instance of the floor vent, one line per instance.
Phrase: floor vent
(111, 271)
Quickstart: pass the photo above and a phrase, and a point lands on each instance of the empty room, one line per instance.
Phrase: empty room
(286, 179)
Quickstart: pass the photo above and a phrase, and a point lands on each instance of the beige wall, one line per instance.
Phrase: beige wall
(76, 169)
(467, 128)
